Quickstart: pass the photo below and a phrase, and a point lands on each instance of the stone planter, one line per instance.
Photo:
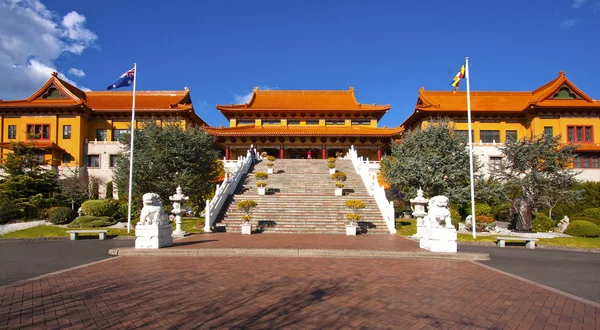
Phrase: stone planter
(332, 170)
(261, 191)
(246, 228)
(351, 230)
(269, 170)
(339, 192)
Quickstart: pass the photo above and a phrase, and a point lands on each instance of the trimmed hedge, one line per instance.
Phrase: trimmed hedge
(100, 207)
(61, 215)
(87, 221)
(582, 229)
(483, 209)
(542, 223)
(593, 212)
(592, 220)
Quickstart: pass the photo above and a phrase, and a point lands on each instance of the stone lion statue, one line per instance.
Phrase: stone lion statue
(438, 212)
(152, 212)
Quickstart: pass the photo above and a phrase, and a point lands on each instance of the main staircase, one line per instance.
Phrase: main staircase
(300, 199)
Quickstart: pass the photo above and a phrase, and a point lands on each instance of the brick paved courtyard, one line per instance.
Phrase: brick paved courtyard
(302, 293)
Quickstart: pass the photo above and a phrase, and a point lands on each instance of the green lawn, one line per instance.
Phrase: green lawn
(190, 225)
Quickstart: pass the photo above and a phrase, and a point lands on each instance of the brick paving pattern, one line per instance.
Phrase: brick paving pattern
(166, 292)
(299, 241)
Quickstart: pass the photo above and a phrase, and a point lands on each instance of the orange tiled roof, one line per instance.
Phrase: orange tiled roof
(438, 102)
(302, 100)
(304, 131)
(103, 100)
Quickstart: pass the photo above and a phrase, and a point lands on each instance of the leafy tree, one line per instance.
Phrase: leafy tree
(535, 172)
(166, 157)
(75, 185)
(28, 185)
(433, 158)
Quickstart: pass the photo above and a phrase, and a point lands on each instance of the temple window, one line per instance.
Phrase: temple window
(113, 160)
(118, 133)
(548, 132)
(66, 158)
(245, 122)
(12, 131)
(312, 122)
(586, 160)
(495, 163)
(93, 161)
(294, 122)
(101, 134)
(38, 131)
(271, 122)
(489, 136)
(361, 122)
(335, 122)
(464, 133)
(511, 135)
(66, 131)
(579, 134)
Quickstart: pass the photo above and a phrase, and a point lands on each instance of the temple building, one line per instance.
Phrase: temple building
(79, 129)
(289, 124)
(556, 108)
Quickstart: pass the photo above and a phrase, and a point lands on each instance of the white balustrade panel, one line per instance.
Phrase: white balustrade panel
(368, 173)
(236, 169)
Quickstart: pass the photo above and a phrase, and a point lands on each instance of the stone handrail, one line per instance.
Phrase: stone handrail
(374, 188)
(230, 182)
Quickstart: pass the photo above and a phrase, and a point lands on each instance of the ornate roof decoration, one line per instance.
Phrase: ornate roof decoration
(250, 130)
(302, 100)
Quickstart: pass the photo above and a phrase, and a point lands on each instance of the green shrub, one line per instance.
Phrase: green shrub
(86, 221)
(109, 190)
(331, 160)
(270, 164)
(261, 176)
(593, 212)
(100, 207)
(8, 210)
(542, 223)
(331, 165)
(261, 184)
(501, 211)
(247, 206)
(582, 229)
(354, 205)
(271, 158)
(592, 220)
(483, 209)
(61, 215)
(94, 187)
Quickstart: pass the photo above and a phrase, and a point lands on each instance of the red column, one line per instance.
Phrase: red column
(281, 153)
(324, 153)
(378, 154)
(227, 152)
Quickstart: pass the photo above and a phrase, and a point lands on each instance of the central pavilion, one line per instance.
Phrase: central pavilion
(289, 124)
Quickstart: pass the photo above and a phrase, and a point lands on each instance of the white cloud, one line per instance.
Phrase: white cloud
(579, 3)
(568, 23)
(32, 38)
(76, 72)
(245, 98)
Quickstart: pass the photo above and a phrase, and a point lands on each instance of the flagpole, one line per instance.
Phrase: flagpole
(131, 150)
(470, 147)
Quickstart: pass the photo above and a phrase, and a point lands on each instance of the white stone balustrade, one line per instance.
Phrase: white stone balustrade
(368, 173)
(230, 181)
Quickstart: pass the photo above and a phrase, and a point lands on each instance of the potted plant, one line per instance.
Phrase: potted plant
(246, 206)
(339, 178)
(331, 164)
(270, 164)
(353, 217)
(261, 184)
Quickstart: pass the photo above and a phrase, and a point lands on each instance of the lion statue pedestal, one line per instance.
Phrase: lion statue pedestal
(438, 234)
(153, 231)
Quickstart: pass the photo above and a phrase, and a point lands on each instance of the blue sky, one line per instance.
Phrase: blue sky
(386, 50)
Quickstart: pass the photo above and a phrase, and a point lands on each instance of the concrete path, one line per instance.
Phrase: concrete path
(569, 271)
(23, 259)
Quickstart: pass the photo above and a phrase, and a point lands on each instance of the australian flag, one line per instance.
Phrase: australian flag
(124, 80)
